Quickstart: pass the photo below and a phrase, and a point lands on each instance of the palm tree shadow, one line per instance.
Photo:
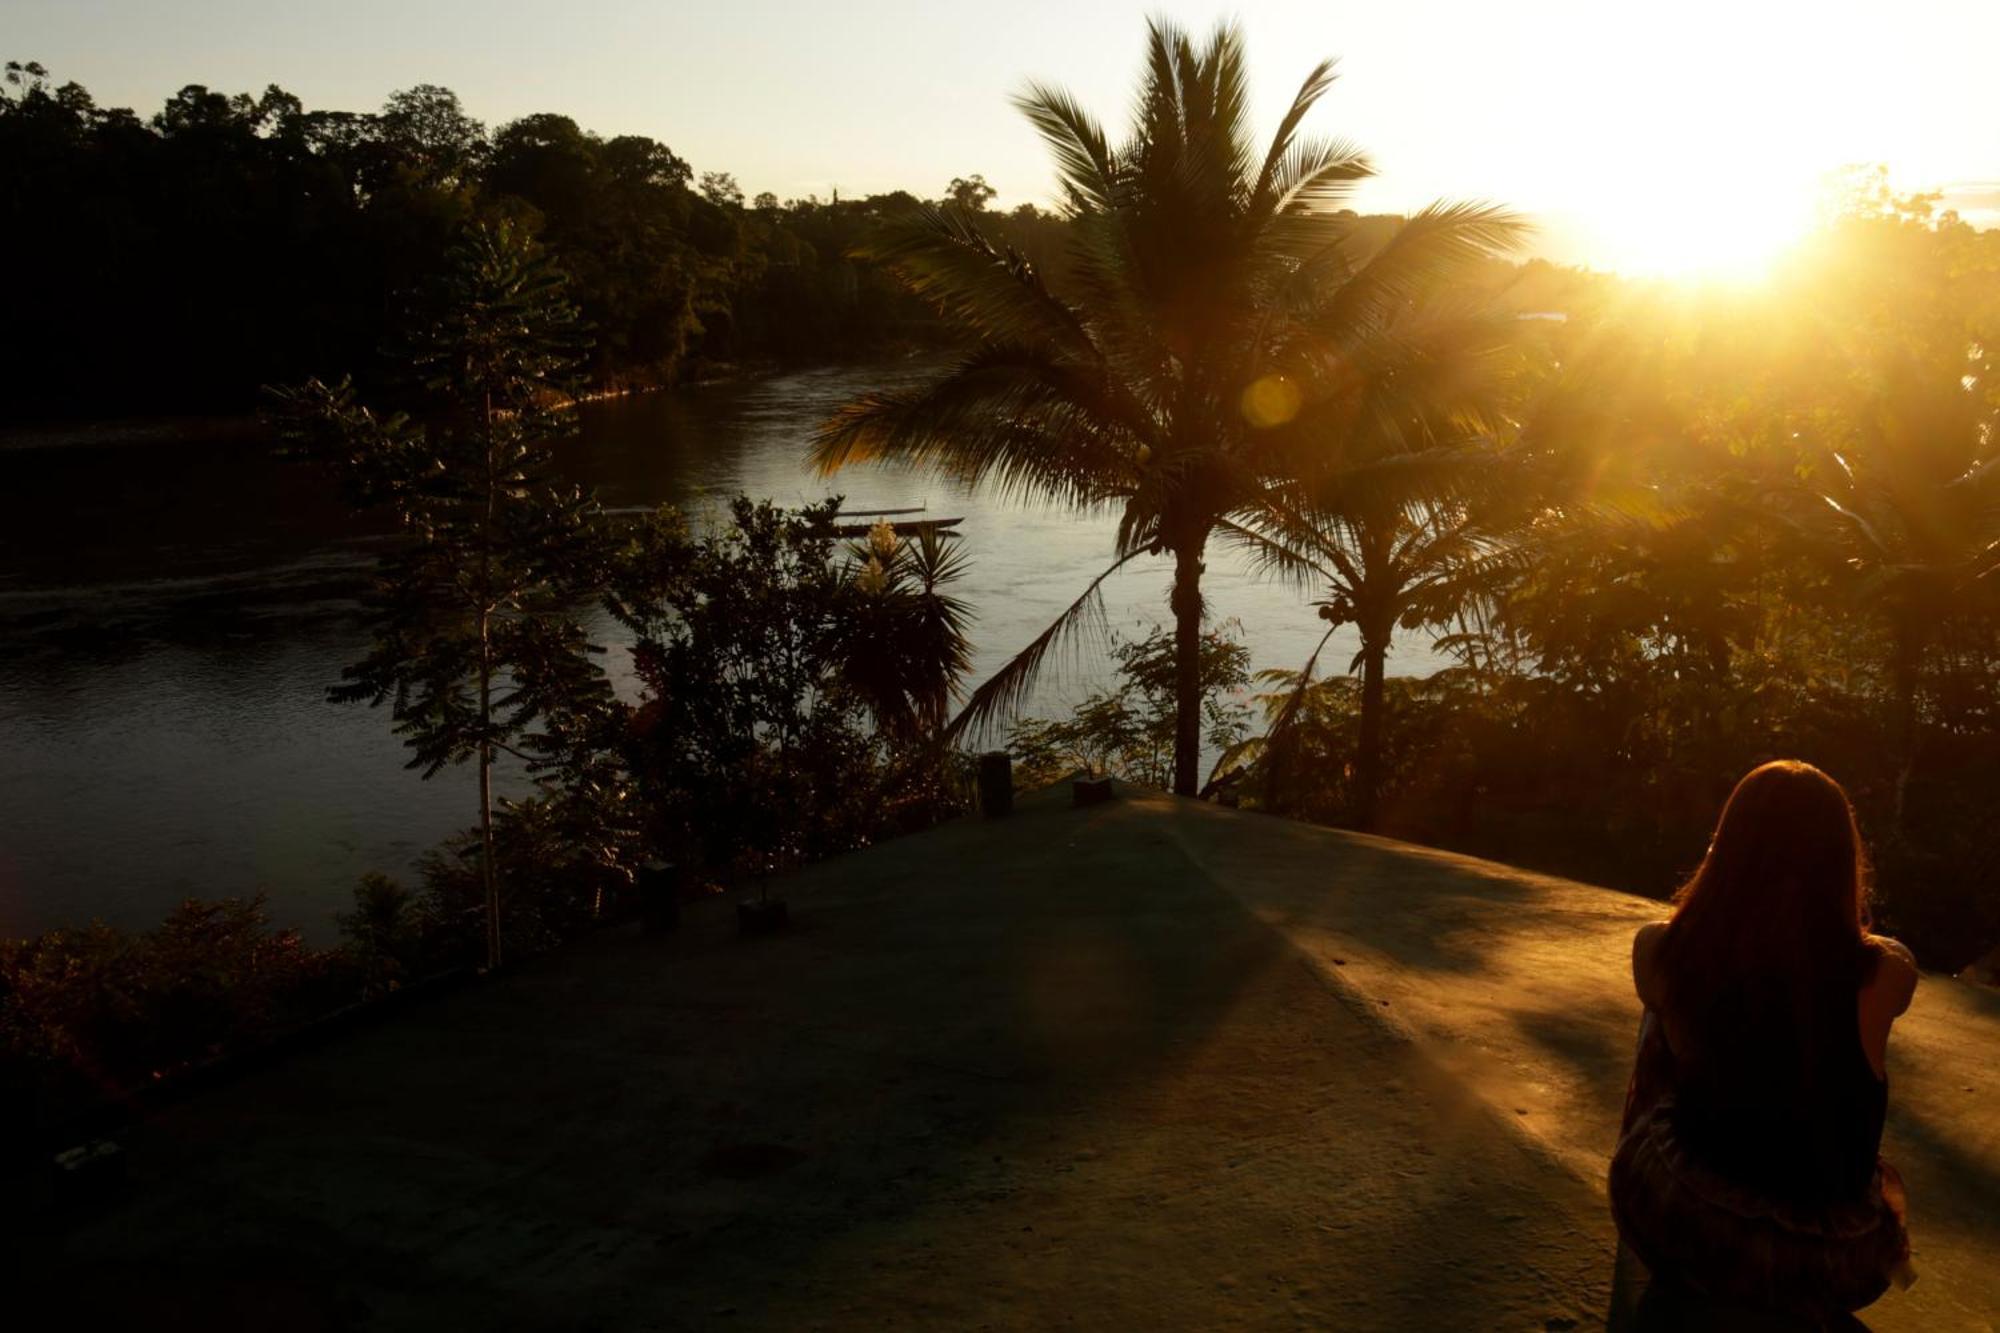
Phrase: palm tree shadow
(1642, 1303)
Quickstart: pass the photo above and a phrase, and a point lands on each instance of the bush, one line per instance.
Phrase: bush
(90, 1013)
(1128, 731)
(792, 695)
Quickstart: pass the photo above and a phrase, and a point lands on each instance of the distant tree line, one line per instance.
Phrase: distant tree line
(177, 262)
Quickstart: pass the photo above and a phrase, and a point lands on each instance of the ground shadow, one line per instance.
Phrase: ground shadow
(1641, 1303)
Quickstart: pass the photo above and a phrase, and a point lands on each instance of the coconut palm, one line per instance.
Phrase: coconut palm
(1913, 517)
(1214, 293)
(1899, 416)
(1411, 529)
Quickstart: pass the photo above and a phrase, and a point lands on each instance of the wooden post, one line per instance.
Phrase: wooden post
(996, 784)
(659, 885)
(1086, 790)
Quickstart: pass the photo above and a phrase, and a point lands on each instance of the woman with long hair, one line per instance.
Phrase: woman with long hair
(1749, 1166)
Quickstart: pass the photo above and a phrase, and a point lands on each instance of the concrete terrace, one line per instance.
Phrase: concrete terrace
(1146, 1065)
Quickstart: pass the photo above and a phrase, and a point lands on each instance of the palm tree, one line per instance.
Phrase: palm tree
(1914, 519)
(907, 646)
(1214, 293)
(1902, 430)
(1413, 527)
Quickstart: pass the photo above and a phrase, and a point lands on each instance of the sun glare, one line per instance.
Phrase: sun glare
(1734, 237)
(1733, 227)
(1695, 145)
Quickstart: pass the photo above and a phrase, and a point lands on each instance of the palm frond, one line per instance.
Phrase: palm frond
(943, 258)
(1085, 168)
(1423, 251)
(1214, 111)
(1003, 692)
(1272, 557)
(1316, 175)
(1316, 83)
(1008, 417)
(1278, 736)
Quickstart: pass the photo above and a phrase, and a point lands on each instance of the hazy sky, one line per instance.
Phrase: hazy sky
(1626, 128)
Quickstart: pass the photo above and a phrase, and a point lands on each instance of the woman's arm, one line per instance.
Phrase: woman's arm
(1884, 999)
(1645, 968)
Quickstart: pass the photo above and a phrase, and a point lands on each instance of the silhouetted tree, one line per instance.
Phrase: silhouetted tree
(1194, 362)
(720, 188)
(970, 193)
(476, 636)
(428, 129)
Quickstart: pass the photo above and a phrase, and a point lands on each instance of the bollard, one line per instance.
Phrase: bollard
(659, 886)
(996, 784)
(762, 916)
(1090, 791)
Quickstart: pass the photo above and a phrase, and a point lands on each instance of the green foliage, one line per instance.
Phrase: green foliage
(89, 1013)
(383, 935)
(791, 691)
(559, 868)
(1129, 731)
(476, 637)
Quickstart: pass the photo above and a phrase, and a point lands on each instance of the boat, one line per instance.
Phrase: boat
(910, 529)
(904, 528)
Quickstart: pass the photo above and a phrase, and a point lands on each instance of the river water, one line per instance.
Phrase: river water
(171, 614)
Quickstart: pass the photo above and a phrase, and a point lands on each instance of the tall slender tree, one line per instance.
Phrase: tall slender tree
(1212, 295)
(1408, 531)
(475, 633)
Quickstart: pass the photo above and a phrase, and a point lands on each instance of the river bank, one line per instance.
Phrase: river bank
(250, 428)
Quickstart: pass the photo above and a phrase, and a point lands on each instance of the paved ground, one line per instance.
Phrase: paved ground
(1149, 1065)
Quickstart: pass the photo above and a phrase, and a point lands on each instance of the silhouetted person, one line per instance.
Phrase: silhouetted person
(1749, 1166)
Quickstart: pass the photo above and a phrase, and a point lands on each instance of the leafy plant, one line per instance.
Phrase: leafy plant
(791, 691)
(1129, 731)
(476, 638)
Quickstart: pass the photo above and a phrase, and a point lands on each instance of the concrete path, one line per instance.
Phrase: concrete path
(1519, 985)
(1148, 1065)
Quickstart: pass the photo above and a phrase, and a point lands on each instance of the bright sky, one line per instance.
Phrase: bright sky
(1668, 136)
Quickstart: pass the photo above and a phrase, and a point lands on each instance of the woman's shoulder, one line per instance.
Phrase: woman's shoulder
(1646, 940)
(1891, 954)
(1894, 974)
(1645, 961)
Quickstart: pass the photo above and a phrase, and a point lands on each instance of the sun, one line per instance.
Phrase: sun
(1733, 230)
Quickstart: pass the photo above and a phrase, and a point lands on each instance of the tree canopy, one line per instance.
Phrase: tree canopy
(177, 262)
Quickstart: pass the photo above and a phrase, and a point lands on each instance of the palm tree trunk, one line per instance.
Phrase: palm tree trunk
(490, 882)
(1368, 756)
(1186, 602)
(486, 855)
(487, 877)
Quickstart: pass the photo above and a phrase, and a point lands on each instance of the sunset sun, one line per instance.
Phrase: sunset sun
(1734, 236)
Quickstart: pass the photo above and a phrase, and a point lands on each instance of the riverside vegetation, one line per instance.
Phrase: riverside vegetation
(1662, 532)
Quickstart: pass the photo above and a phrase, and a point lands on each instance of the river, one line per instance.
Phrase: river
(171, 614)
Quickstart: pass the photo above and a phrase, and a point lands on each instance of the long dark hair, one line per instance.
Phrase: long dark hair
(1769, 938)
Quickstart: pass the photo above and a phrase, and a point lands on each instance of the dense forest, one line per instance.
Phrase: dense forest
(177, 263)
